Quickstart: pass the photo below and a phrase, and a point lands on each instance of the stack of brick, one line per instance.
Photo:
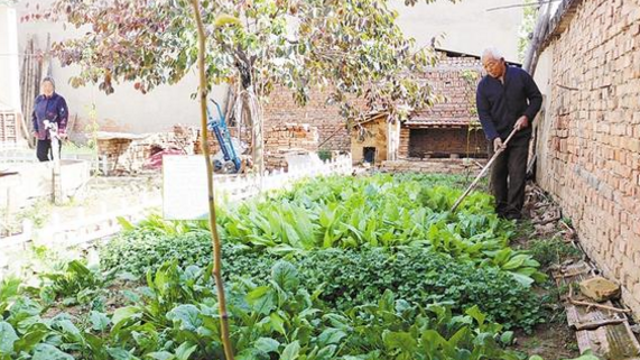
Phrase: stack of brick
(286, 138)
(589, 148)
(128, 153)
(434, 166)
(214, 146)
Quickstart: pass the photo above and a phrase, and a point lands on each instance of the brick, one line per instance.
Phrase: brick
(591, 157)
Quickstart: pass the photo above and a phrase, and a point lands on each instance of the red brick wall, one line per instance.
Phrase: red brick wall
(455, 78)
(591, 135)
(442, 142)
(446, 78)
(282, 109)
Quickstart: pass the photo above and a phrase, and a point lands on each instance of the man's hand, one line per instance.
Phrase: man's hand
(35, 134)
(497, 144)
(522, 123)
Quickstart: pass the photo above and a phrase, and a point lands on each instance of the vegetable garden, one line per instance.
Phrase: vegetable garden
(371, 267)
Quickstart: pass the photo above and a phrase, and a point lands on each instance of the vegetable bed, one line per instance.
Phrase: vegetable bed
(338, 268)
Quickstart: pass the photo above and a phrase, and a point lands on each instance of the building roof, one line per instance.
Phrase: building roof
(455, 54)
(434, 118)
(448, 78)
(558, 21)
(373, 115)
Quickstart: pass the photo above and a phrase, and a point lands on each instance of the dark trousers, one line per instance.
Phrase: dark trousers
(44, 151)
(508, 178)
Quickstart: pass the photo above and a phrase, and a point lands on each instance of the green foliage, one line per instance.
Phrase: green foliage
(553, 251)
(324, 154)
(379, 211)
(74, 283)
(458, 255)
(175, 317)
(420, 277)
(273, 316)
(436, 287)
(529, 16)
(348, 277)
(345, 46)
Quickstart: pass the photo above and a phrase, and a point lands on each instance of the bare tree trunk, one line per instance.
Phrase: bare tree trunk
(215, 237)
(251, 110)
(539, 34)
(257, 131)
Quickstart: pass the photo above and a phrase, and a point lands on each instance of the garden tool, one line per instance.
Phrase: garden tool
(52, 128)
(484, 170)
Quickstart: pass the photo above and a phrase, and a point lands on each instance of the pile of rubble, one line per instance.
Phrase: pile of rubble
(592, 302)
(124, 153)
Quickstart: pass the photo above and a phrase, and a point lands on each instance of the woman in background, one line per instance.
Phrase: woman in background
(50, 108)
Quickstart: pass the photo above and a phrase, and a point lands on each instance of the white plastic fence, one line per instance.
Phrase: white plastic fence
(242, 187)
(81, 228)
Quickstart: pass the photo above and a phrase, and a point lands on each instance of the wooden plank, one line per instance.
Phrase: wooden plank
(573, 273)
(583, 318)
(604, 332)
(611, 342)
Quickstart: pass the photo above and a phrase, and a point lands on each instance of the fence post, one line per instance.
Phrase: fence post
(27, 229)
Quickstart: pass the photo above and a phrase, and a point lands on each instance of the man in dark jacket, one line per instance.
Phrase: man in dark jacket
(51, 107)
(507, 98)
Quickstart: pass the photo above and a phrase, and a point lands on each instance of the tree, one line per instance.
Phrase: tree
(352, 47)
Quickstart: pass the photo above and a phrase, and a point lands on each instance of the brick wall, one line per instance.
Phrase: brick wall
(283, 139)
(443, 142)
(455, 78)
(591, 135)
(214, 146)
(282, 109)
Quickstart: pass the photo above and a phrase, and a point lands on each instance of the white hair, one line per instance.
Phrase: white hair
(492, 52)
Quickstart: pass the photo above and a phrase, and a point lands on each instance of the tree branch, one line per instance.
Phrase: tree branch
(215, 237)
(521, 5)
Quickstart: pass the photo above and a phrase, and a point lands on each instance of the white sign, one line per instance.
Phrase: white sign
(184, 187)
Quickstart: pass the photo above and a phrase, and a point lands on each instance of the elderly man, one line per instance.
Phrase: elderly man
(507, 98)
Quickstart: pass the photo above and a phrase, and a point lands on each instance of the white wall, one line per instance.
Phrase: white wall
(9, 61)
(127, 108)
(467, 26)
(469, 29)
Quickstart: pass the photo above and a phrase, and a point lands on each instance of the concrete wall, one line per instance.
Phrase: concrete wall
(589, 143)
(125, 110)
(9, 61)
(468, 26)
